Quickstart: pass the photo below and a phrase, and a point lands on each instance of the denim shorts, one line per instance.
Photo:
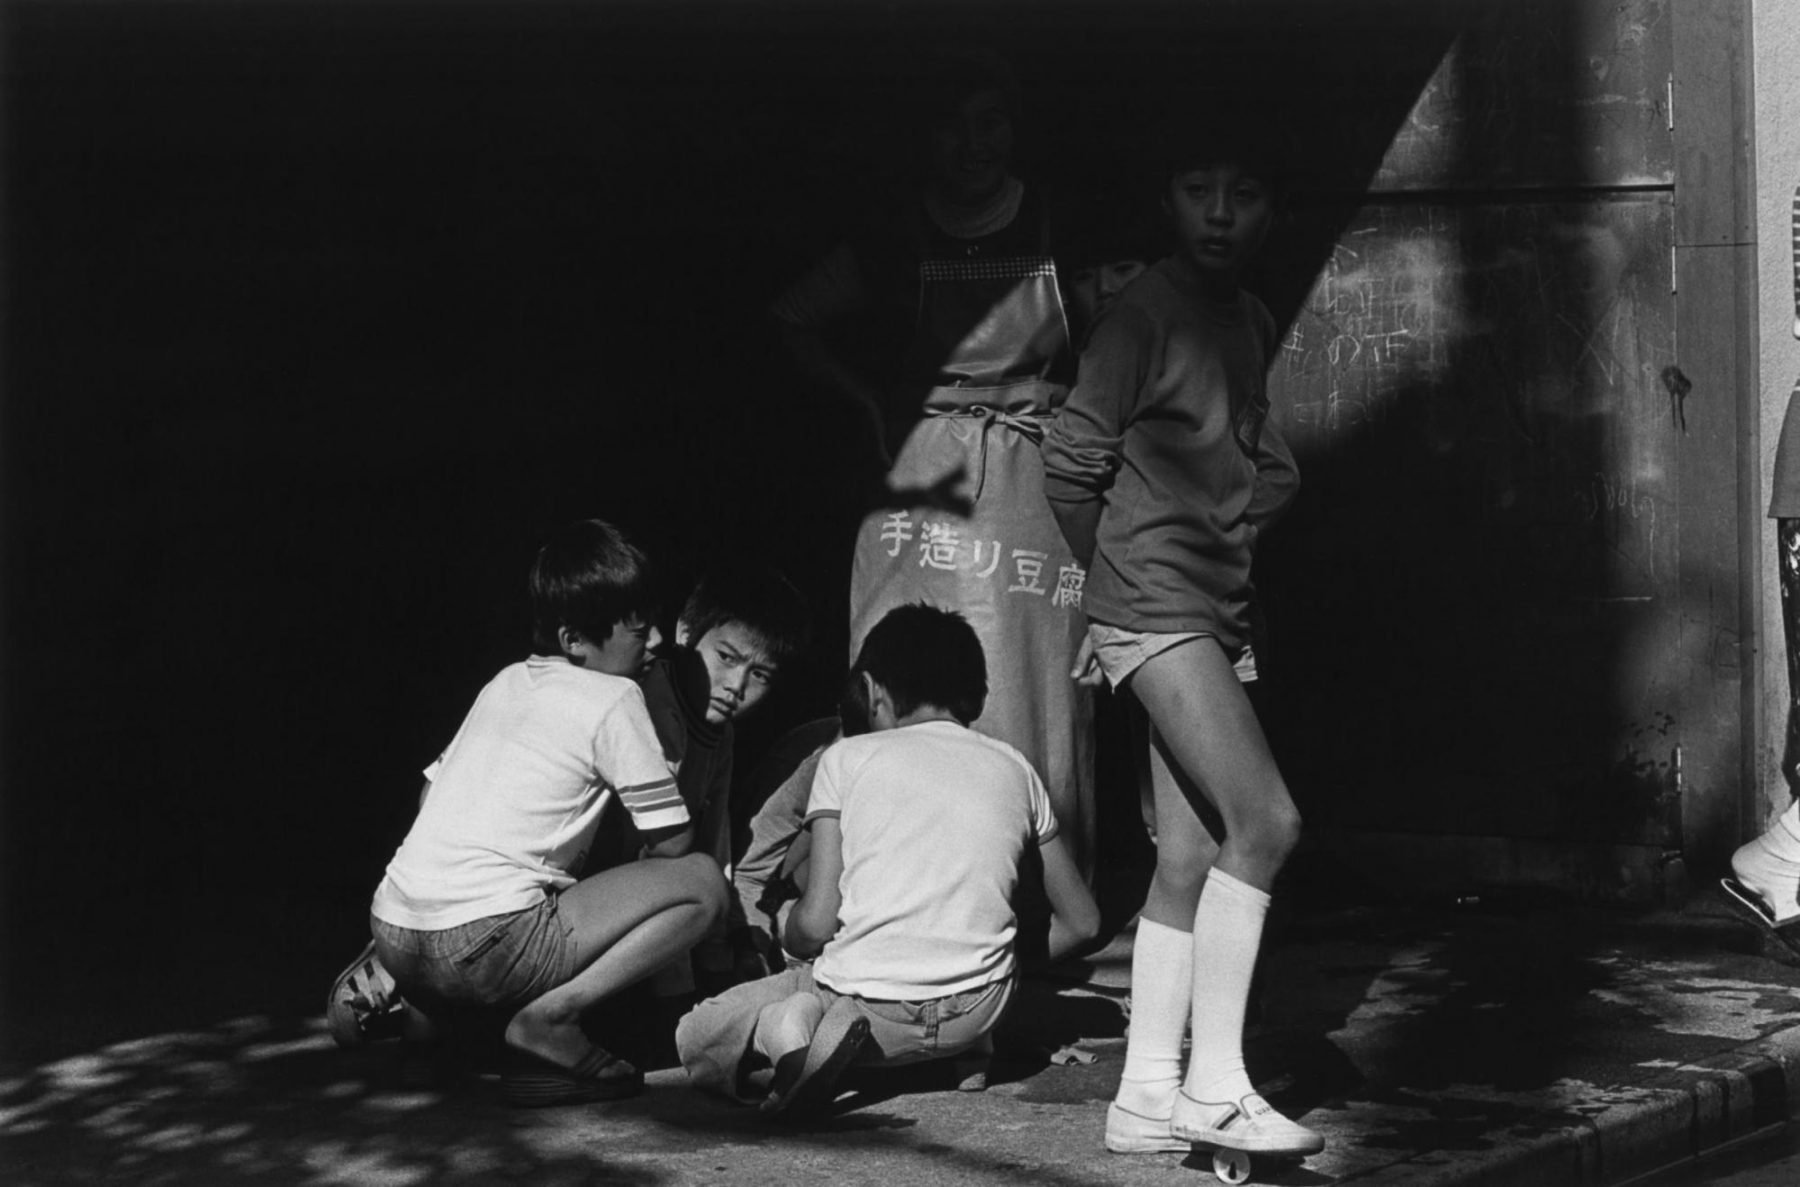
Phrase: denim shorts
(1122, 652)
(501, 960)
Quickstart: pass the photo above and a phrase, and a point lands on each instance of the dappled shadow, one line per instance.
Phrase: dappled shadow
(269, 1100)
(275, 1102)
(1527, 1006)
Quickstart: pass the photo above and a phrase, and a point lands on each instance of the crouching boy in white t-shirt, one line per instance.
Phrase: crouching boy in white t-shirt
(481, 912)
(918, 832)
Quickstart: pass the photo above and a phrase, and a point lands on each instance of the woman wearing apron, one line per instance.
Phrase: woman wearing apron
(965, 524)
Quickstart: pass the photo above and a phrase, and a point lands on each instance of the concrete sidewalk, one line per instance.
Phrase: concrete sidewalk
(1545, 1046)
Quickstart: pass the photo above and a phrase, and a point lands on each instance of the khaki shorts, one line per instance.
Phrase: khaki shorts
(1122, 652)
(715, 1038)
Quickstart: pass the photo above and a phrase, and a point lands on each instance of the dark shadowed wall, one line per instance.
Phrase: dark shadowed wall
(318, 315)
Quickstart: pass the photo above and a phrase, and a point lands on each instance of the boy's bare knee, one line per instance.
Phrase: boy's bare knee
(1175, 890)
(706, 883)
(1289, 825)
(1181, 882)
(1279, 834)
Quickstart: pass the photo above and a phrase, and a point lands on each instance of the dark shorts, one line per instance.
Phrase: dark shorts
(499, 961)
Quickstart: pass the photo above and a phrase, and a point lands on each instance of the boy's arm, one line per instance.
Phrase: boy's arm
(1074, 916)
(795, 866)
(632, 761)
(1081, 450)
(815, 917)
(1277, 477)
(677, 840)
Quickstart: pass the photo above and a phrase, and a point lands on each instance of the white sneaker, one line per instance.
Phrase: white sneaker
(1769, 868)
(1249, 1124)
(1133, 1133)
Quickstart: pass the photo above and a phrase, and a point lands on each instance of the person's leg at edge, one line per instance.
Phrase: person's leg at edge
(1162, 968)
(1768, 865)
(1209, 729)
(627, 922)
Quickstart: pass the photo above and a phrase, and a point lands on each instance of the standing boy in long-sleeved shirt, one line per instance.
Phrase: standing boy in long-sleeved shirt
(1162, 468)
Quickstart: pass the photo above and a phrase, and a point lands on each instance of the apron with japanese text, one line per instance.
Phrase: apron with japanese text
(990, 329)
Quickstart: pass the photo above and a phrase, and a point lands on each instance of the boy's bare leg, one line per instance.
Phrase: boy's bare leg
(1185, 848)
(628, 922)
(1207, 726)
(1162, 960)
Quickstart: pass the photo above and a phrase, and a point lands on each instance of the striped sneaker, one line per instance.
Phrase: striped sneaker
(364, 1004)
(1133, 1133)
(1249, 1124)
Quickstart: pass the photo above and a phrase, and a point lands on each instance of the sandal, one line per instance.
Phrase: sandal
(534, 1082)
(365, 1005)
(804, 1080)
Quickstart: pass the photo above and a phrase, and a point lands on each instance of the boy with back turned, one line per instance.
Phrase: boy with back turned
(919, 829)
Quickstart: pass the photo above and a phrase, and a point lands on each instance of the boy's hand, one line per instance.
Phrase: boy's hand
(1086, 671)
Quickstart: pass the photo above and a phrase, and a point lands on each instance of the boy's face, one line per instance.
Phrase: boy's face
(622, 653)
(1091, 290)
(738, 669)
(1221, 214)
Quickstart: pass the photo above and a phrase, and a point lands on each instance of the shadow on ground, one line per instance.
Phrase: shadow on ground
(255, 1099)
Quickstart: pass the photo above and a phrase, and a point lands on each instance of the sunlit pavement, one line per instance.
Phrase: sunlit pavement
(1544, 1046)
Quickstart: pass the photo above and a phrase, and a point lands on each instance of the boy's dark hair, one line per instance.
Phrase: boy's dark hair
(853, 706)
(1215, 134)
(588, 576)
(926, 656)
(757, 596)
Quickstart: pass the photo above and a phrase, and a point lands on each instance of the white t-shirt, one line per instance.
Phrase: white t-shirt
(515, 798)
(935, 819)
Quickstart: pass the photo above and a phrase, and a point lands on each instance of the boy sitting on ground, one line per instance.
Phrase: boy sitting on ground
(480, 912)
(918, 832)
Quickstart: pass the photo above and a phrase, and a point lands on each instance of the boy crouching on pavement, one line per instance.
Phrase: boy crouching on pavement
(918, 832)
(481, 909)
(737, 630)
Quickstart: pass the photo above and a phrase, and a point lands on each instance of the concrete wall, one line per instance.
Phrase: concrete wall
(1777, 130)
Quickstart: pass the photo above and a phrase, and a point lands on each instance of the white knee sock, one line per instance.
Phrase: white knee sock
(1228, 927)
(1162, 975)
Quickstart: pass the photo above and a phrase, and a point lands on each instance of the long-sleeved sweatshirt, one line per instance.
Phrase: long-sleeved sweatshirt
(1163, 465)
